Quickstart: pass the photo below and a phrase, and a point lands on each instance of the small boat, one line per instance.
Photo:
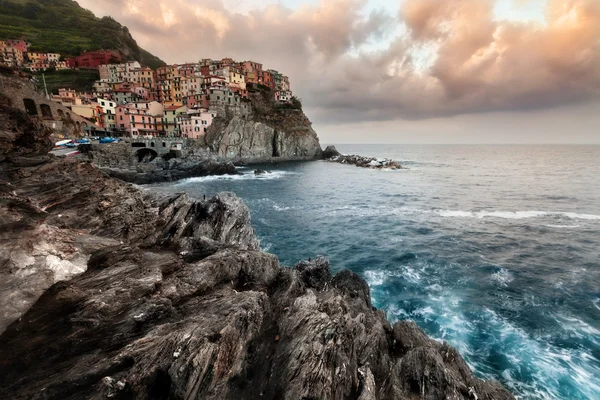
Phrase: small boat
(83, 141)
(108, 140)
(62, 143)
(71, 144)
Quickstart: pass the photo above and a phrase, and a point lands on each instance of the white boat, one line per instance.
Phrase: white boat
(62, 142)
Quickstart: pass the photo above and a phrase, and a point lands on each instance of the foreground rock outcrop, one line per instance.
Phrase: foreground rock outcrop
(173, 299)
(261, 132)
(331, 154)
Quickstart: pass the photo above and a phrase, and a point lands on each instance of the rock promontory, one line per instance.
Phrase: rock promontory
(262, 131)
(110, 292)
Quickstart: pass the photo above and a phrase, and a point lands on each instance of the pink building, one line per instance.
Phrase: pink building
(142, 123)
(196, 124)
(20, 45)
(123, 121)
(252, 71)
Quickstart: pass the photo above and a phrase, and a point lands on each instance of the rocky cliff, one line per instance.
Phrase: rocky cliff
(263, 131)
(152, 297)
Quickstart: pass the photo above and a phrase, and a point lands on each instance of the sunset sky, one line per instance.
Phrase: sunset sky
(405, 71)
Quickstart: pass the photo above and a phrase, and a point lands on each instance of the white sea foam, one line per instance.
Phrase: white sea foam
(375, 278)
(596, 303)
(563, 226)
(245, 176)
(411, 275)
(515, 214)
(503, 277)
(266, 247)
(277, 207)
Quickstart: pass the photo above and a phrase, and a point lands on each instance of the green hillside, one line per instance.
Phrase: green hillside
(80, 80)
(62, 26)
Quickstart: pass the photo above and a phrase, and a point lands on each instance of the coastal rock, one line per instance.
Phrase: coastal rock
(117, 160)
(262, 133)
(259, 172)
(330, 152)
(365, 162)
(178, 301)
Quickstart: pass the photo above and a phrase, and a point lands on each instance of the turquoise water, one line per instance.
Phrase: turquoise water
(495, 249)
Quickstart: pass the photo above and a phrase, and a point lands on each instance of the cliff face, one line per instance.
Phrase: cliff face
(260, 131)
(170, 298)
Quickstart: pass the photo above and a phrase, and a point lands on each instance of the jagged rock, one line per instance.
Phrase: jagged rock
(177, 301)
(330, 152)
(259, 172)
(314, 273)
(364, 162)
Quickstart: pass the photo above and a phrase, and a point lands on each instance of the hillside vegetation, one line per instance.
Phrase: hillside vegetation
(62, 26)
(80, 80)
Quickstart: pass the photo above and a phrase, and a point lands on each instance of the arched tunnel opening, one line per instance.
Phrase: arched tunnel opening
(145, 155)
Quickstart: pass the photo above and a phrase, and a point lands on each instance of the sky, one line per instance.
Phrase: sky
(403, 71)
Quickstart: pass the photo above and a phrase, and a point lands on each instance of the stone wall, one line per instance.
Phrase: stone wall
(22, 95)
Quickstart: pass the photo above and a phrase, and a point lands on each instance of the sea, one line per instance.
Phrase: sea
(494, 249)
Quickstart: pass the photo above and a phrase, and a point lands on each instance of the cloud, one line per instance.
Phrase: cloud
(474, 63)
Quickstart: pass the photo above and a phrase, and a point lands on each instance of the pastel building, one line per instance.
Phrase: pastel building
(223, 97)
(169, 121)
(252, 71)
(142, 123)
(123, 96)
(108, 112)
(85, 110)
(11, 55)
(283, 96)
(151, 107)
(122, 118)
(19, 45)
(102, 86)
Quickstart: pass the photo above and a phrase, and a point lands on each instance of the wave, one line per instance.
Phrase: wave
(243, 176)
(502, 277)
(277, 207)
(562, 226)
(534, 365)
(515, 214)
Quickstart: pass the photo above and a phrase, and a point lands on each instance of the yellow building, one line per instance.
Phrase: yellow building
(237, 78)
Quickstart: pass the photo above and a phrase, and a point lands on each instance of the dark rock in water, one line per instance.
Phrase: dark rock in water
(155, 297)
(330, 152)
(364, 162)
(259, 172)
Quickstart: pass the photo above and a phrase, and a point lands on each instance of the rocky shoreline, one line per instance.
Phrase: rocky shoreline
(332, 155)
(117, 160)
(107, 291)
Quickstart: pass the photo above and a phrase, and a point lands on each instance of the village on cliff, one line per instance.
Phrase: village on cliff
(130, 100)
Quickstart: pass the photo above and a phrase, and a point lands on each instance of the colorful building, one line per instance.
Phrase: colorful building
(122, 118)
(93, 59)
(169, 121)
(11, 55)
